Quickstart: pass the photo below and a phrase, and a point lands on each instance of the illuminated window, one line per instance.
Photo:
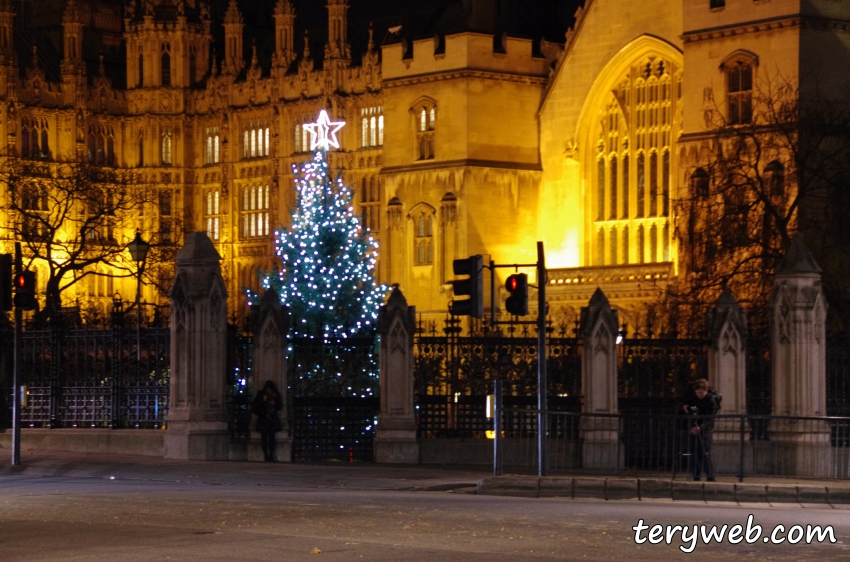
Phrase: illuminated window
(166, 147)
(302, 135)
(211, 215)
(633, 167)
(212, 146)
(423, 239)
(255, 211)
(255, 140)
(426, 119)
(372, 126)
(370, 201)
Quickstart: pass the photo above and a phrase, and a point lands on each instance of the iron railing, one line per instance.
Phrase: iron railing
(619, 444)
(110, 378)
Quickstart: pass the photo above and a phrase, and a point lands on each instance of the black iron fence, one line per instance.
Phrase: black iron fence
(116, 377)
(240, 381)
(838, 378)
(333, 393)
(807, 447)
(654, 373)
(453, 374)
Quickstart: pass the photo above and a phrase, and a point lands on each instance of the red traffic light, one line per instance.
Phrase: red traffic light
(517, 286)
(25, 291)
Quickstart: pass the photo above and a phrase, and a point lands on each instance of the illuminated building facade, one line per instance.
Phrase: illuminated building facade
(468, 141)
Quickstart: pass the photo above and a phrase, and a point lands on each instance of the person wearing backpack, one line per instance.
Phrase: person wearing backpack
(701, 403)
(266, 406)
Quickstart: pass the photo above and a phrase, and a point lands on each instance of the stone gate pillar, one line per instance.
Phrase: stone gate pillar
(727, 373)
(271, 326)
(599, 327)
(798, 363)
(197, 416)
(395, 441)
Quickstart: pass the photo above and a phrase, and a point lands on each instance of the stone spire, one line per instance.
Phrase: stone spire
(284, 16)
(72, 59)
(306, 64)
(233, 26)
(798, 258)
(7, 41)
(337, 47)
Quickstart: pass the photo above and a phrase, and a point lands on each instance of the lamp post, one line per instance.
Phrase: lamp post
(138, 249)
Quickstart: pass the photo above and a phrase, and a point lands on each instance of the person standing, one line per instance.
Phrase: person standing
(701, 405)
(266, 406)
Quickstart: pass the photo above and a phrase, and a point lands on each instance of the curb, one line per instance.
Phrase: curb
(642, 489)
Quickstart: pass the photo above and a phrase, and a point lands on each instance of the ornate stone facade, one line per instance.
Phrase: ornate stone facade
(457, 144)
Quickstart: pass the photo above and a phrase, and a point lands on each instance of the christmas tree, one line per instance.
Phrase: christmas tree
(328, 258)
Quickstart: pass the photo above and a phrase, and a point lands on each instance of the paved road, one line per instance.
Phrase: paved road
(91, 509)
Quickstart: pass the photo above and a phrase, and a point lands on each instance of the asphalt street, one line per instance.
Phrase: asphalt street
(307, 512)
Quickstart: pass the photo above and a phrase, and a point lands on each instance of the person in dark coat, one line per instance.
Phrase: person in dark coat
(266, 406)
(700, 404)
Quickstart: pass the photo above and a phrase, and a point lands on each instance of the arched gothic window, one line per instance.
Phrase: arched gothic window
(426, 119)
(372, 125)
(423, 237)
(255, 211)
(739, 87)
(166, 147)
(212, 214)
(634, 163)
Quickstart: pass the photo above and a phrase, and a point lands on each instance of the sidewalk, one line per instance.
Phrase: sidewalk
(471, 480)
(753, 490)
(367, 476)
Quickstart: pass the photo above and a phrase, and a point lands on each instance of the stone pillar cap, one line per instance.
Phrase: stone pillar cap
(198, 248)
(798, 259)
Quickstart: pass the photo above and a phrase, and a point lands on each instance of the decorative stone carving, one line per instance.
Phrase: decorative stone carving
(395, 441)
(727, 369)
(599, 325)
(798, 364)
(798, 348)
(197, 418)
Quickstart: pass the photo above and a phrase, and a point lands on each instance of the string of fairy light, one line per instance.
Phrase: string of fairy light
(328, 258)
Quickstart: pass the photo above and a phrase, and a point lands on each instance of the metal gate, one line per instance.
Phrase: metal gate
(334, 399)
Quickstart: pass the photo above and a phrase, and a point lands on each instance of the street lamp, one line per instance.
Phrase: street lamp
(138, 249)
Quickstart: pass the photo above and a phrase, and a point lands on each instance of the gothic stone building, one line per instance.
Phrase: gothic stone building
(467, 141)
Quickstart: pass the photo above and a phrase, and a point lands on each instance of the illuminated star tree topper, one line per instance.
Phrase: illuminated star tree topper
(323, 132)
(327, 256)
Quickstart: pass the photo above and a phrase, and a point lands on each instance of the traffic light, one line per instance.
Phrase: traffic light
(25, 291)
(473, 287)
(517, 286)
(5, 282)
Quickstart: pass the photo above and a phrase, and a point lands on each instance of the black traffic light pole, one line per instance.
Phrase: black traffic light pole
(542, 441)
(473, 287)
(16, 372)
